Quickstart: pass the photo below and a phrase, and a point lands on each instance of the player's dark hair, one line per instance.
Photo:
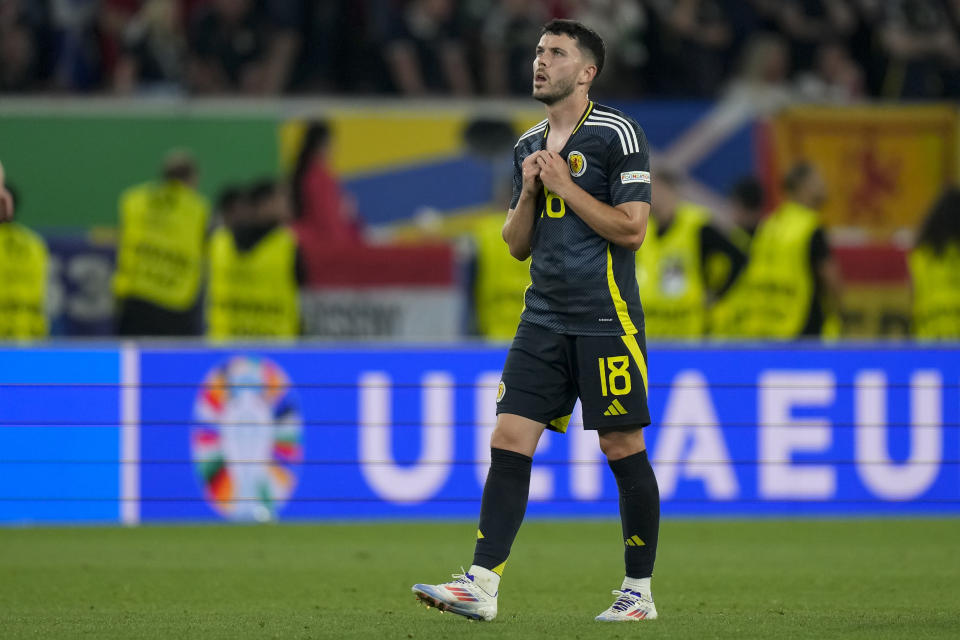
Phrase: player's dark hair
(262, 190)
(586, 38)
(229, 197)
(316, 137)
(942, 224)
(796, 176)
(749, 192)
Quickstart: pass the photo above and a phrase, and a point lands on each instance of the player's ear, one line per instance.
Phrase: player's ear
(588, 73)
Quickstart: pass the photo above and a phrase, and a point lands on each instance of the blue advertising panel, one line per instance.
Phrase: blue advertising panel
(257, 434)
(59, 434)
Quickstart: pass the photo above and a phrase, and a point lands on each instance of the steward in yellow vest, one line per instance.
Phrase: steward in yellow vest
(23, 283)
(163, 228)
(500, 281)
(792, 284)
(671, 264)
(747, 199)
(254, 271)
(935, 271)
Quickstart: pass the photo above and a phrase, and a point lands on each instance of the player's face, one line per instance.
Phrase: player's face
(557, 68)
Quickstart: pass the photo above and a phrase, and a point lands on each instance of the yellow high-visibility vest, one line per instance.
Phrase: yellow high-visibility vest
(501, 281)
(24, 265)
(160, 255)
(670, 275)
(727, 313)
(253, 293)
(936, 292)
(779, 279)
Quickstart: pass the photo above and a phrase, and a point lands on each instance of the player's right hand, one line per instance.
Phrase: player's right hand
(531, 174)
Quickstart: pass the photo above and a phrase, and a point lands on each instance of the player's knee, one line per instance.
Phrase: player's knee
(620, 444)
(519, 435)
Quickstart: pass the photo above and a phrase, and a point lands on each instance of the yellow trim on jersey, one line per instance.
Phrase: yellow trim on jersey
(546, 131)
(621, 305)
(634, 348)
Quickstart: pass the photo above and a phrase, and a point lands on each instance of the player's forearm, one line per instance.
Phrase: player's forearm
(621, 227)
(518, 229)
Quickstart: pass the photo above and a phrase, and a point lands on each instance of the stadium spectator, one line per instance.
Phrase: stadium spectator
(835, 77)
(920, 45)
(747, 206)
(693, 37)
(77, 61)
(809, 24)
(19, 57)
(935, 271)
(153, 52)
(24, 266)
(762, 82)
(284, 41)
(254, 267)
(163, 226)
(672, 265)
(623, 25)
(325, 216)
(228, 48)
(424, 51)
(793, 282)
(507, 31)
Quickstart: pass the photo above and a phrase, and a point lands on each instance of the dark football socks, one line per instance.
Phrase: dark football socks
(639, 512)
(501, 510)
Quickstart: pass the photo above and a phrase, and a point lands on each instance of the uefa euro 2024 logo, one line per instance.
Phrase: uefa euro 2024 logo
(248, 438)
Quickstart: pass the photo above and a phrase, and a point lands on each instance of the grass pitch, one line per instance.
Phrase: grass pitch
(715, 579)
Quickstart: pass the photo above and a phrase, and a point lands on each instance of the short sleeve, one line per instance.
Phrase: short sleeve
(629, 167)
(517, 178)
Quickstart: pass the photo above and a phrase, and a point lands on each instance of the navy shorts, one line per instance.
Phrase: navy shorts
(546, 372)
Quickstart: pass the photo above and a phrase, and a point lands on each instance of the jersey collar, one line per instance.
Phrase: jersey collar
(583, 119)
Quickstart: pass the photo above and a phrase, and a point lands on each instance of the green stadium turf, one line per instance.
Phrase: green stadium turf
(715, 579)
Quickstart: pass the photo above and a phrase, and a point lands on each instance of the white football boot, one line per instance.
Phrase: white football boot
(629, 606)
(463, 596)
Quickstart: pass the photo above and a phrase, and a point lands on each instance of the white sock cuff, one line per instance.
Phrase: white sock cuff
(640, 585)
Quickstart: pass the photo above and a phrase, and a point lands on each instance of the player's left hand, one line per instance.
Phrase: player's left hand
(554, 172)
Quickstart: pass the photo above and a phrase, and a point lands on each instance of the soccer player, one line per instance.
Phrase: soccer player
(580, 205)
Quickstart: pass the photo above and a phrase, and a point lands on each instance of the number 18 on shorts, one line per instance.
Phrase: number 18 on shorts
(545, 372)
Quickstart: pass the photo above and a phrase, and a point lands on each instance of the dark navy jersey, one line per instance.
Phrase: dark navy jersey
(583, 284)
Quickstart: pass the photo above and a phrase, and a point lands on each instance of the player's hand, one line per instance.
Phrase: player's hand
(6, 205)
(531, 174)
(554, 172)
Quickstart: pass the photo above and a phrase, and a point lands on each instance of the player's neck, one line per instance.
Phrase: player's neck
(563, 116)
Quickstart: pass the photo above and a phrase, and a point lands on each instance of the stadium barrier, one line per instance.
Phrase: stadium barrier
(136, 433)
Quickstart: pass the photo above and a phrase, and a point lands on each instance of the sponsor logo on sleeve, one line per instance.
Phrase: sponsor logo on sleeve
(628, 177)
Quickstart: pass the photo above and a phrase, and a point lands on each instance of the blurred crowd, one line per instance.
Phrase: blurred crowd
(820, 49)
